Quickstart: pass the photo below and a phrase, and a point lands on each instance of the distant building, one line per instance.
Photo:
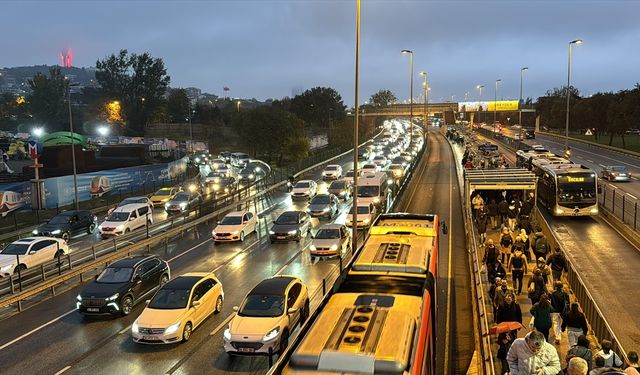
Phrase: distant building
(193, 93)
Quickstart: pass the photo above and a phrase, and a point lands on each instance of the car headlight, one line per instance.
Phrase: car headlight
(235, 232)
(78, 297)
(134, 327)
(376, 200)
(559, 211)
(166, 205)
(326, 209)
(197, 160)
(292, 232)
(172, 329)
(271, 232)
(227, 334)
(324, 173)
(120, 227)
(35, 231)
(334, 247)
(342, 193)
(271, 334)
(366, 220)
(113, 297)
(183, 204)
(594, 210)
(57, 231)
(213, 232)
(251, 176)
(312, 247)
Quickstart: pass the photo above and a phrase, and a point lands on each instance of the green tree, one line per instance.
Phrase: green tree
(47, 102)
(383, 98)
(297, 148)
(178, 106)
(138, 82)
(319, 107)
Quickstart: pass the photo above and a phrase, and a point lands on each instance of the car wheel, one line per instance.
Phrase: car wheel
(65, 236)
(91, 228)
(284, 342)
(127, 230)
(127, 305)
(164, 279)
(218, 306)
(20, 267)
(242, 236)
(186, 332)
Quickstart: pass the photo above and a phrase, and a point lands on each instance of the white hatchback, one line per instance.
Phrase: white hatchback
(235, 226)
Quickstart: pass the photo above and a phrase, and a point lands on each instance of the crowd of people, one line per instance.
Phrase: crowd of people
(523, 251)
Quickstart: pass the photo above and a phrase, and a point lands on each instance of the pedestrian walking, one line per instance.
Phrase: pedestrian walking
(512, 215)
(518, 268)
(536, 287)
(501, 293)
(496, 270)
(526, 208)
(468, 164)
(494, 216)
(481, 225)
(504, 343)
(611, 359)
(634, 367)
(560, 302)
(581, 350)
(478, 203)
(527, 244)
(540, 244)
(490, 254)
(509, 311)
(558, 264)
(575, 323)
(492, 289)
(503, 210)
(545, 270)
(541, 314)
(506, 240)
(524, 224)
(577, 366)
(533, 355)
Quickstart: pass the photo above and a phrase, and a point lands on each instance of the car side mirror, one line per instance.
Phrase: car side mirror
(235, 308)
(292, 310)
(95, 277)
(147, 301)
(195, 304)
(32, 252)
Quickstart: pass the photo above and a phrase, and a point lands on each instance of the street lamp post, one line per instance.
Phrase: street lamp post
(520, 103)
(73, 149)
(479, 87)
(190, 127)
(566, 130)
(425, 119)
(495, 106)
(354, 218)
(406, 51)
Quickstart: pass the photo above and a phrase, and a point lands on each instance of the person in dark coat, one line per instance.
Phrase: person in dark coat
(558, 264)
(560, 302)
(541, 311)
(504, 344)
(525, 209)
(576, 323)
(582, 350)
(481, 225)
(496, 270)
(509, 311)
(493, 214)
(503, 211)
(536, 286)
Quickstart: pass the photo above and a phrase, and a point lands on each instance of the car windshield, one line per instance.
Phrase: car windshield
(213, 174)
(262, 306)
(15, 249)
(368, 191)
(362, 209)
(337, 185)
(378, 158)
(231, 220)
(349, 174)
(328, 234)
(302, 185)
(369, 166)
(287, 219)
(619, 169)
(118, 216)
(61, 219)
(182, 197)
(320, 199)
(332, 168)
(169, 299)
(113, 275)
(163, 192)
(246, 171)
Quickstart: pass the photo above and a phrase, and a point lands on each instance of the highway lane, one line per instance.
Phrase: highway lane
(437, 192)
(608, 265)
(69, 339)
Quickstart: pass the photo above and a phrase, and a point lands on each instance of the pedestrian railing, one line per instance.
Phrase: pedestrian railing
(621, 204)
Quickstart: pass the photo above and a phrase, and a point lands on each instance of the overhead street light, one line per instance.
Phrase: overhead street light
(425, 120)
(410, 53)
(520, 103)
(73, 147)
(566, 130)
(495, 106)
(37, 132)
(103, 131)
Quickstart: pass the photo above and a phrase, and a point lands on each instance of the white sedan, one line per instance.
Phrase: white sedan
(30, 252)
(235, 226)
(332, 172)
(304, 189)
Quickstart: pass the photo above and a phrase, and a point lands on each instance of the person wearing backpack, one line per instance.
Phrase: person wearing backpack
(518, 268)
(558, 264)
(506, 240)
(560, 302)
(581, 350)
(611, 359)
(541, 312)
(503, 210)
(536, 286)
(490, 254)
(540, 244)
(492, 207)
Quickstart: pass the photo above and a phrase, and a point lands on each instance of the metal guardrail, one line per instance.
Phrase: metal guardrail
(145, 244)
(621, 204)
(599, 325)
(480, 320)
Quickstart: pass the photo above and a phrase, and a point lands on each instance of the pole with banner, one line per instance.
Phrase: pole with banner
(37, 185)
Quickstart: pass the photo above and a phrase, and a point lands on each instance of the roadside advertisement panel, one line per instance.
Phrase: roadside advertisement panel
(504, 105)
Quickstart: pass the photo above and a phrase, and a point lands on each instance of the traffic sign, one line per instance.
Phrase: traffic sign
(35, 149)
(588, 132)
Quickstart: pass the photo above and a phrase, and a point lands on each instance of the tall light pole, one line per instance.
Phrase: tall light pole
(354, 218)
(566, 130)
(190, 127)
(479, 87)
(520, 103)
(73, 148)
(425, 119)
(495, 106)
(406, 51)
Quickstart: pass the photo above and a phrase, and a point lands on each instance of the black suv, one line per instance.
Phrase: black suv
(67, 224)
(122, 284)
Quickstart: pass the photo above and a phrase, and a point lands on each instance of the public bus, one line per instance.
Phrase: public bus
(568, 190)
(379, 317)
(524, 157)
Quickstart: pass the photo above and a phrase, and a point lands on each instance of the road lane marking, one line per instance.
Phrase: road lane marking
(63, 370)
(291, 260)
(590, 161)
(189, 250)
(243, 251)
(221, 325)
(35, 330)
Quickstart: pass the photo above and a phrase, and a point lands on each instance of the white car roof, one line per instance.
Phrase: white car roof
(31, 240)
(236, 213)
(130, 207)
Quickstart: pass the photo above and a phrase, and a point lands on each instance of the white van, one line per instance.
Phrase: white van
(372, 188)
(240, 159)
(126, 219)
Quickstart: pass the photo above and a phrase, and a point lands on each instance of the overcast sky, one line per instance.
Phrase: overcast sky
(268, 49)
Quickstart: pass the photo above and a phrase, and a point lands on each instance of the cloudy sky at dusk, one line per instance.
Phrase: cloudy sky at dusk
(267, 49)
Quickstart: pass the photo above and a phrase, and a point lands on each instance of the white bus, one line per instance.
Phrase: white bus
(568, 190)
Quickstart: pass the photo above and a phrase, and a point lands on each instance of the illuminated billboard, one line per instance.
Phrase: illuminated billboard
(504, 105)
(472, 106)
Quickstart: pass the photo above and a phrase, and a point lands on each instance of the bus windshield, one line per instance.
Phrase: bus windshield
(368, 191)
(577, 187)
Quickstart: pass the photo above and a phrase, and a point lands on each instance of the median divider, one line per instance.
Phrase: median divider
(156, 239)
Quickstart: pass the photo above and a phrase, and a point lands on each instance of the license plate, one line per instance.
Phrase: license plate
(93, 309)
(149, 338)
(280, 237)
(246, 350)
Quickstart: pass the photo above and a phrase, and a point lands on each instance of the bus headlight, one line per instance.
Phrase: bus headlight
(594, 211)
(376, 200)
(559, 211)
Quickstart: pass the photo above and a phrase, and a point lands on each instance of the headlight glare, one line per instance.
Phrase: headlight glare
(271, 334)
(57, 231)
(172, 329)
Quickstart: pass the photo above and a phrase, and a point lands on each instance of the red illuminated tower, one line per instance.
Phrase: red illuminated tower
(66, 58)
